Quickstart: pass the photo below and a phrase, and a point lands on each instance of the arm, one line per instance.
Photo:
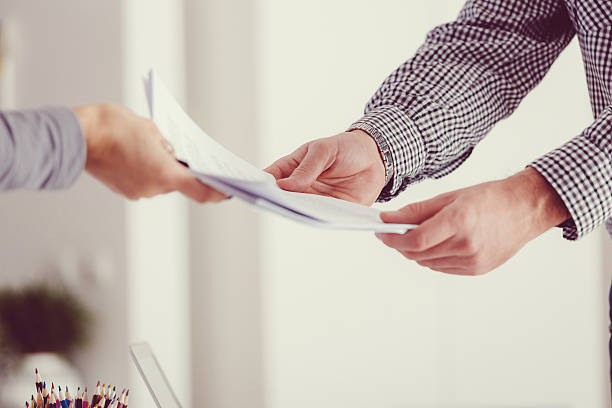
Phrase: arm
(474, 230)
(581, 173)
(40, 149)
(48, 149)
(469, 74)
(431, 111)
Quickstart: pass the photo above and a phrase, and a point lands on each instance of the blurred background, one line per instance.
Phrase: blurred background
(244, 309)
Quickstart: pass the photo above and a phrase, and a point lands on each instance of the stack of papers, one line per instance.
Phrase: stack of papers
(219, 168)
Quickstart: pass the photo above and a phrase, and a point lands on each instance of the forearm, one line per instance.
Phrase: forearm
(580, 171)
(40, 149)
(543, 207)
(468, 75)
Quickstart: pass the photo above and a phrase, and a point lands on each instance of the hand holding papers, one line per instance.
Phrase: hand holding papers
(223, 170)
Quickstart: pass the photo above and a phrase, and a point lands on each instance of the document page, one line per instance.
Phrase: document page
(225, 171)
(191, 144)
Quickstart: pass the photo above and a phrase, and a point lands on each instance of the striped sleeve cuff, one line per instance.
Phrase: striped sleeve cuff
(400, 144)
(581, 173)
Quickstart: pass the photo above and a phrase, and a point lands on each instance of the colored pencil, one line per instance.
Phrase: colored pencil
(121, 399)
(39, 400)
(85, 399)
(52, 400)
(96, 397)
(105, 396)
(113, 393)
(78, 401)
(45, 394)
(39, 381)
(61, 398)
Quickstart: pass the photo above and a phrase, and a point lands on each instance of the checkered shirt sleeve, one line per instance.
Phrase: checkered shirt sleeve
(581, 173)
(428, 115)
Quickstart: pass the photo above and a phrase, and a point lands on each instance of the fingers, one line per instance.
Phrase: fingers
(418, 212)
(459, 262)
(450, 256)
(444, 249)
(453, 264)
(435, 243)
(452, 271)
(430, 233)
(200, 192)
(275, 169)
(317, 159)
(188, 185)
(447, 241)
(283, 167)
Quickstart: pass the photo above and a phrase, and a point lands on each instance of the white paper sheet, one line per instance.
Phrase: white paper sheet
(225, 171)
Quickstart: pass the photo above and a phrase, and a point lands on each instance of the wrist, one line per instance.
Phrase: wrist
(374, 151)
(543, 202)
(91, 119)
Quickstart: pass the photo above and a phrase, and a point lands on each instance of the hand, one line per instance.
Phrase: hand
(476, 229)
(346, 166)
(128, 154)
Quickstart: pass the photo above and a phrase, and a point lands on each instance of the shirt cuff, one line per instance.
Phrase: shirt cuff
(40, 149)
(581, 173)
(400, 144)
(72, 146)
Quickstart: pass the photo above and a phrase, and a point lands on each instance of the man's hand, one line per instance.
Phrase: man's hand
(128, 154)
(474, 230)
(346, 166)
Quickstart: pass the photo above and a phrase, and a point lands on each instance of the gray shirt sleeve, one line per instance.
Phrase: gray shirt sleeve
(40, 149)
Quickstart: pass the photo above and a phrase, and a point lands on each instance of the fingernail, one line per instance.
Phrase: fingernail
(379, 235)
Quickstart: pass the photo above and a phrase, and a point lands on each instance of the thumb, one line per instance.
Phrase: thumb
(318, 158)
(418, 212)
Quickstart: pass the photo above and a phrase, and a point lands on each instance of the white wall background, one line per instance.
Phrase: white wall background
(225, 249)
(157, 229)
